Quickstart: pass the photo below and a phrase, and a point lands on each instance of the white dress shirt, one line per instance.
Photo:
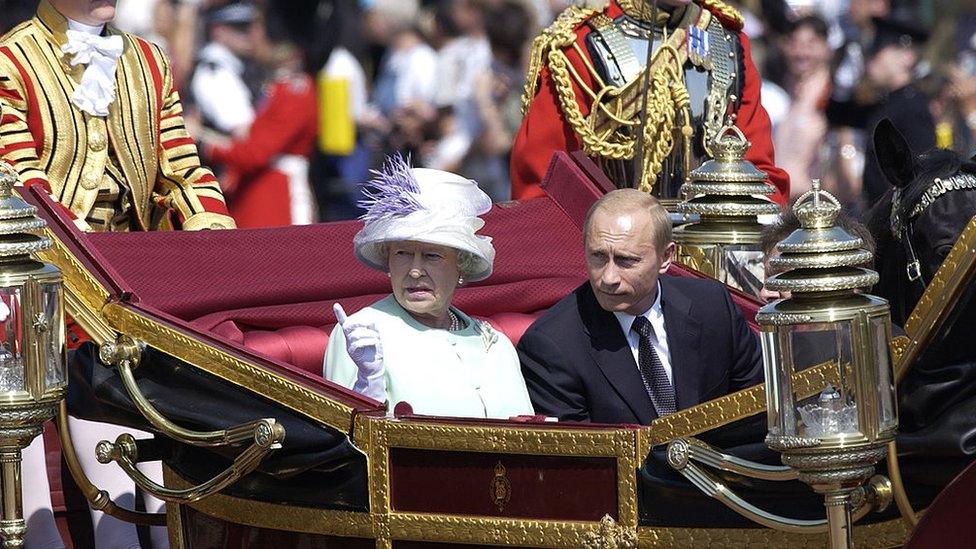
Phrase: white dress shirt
(659, 337)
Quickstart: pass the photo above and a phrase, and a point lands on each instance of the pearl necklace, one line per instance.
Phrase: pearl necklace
(455, 321)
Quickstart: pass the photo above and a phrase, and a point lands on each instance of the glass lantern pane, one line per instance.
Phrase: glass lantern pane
(53, 337)
(778, 365)
(880, 336)
(11, 341)
(831, 411)
(743, 268)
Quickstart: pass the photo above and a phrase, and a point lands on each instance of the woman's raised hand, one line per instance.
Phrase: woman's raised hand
(366, 351)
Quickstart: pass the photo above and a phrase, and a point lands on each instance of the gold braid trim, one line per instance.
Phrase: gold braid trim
(667, 96)
(560, 34)
(725, 11)
(637, 10)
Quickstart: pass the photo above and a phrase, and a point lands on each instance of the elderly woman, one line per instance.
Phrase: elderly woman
(413, 346)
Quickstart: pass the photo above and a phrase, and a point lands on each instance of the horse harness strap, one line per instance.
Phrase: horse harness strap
(902, 228)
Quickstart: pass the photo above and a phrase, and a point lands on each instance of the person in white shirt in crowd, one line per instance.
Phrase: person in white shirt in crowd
(413, 346)
(401, 107)
(218, 87)
(405, 77)
(463, 55)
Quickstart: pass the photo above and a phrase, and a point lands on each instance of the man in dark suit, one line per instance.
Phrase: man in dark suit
(629, 345)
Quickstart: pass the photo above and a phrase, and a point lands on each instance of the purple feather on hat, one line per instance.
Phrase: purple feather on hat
(392, 192)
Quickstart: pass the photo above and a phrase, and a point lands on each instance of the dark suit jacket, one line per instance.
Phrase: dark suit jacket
(578, 365)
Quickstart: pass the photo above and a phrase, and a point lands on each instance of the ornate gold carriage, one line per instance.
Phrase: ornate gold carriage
(259, 451)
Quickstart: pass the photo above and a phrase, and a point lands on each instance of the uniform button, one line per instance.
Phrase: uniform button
(89, 181)
(97, 141)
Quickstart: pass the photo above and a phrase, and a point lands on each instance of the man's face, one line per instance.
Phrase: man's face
(622, 261)
(239, 38)
(89, 12)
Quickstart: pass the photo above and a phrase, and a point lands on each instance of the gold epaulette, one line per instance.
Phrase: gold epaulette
(729, 16)
(560, 34)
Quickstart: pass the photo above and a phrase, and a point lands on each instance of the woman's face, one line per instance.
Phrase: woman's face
(424, 277)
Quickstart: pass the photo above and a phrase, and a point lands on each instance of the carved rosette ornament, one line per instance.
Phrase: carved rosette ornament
(610, 536)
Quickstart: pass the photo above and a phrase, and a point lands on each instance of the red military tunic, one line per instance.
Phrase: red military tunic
(545, 130)
(267, 180)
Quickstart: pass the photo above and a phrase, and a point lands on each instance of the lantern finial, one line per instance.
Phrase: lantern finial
(816, 208)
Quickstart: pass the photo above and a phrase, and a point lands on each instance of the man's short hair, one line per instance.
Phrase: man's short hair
(622, 201)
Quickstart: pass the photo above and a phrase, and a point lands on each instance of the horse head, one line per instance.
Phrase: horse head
(915, 224)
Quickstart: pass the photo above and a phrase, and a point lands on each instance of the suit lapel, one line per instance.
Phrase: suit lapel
(684, 340)
(612, 354)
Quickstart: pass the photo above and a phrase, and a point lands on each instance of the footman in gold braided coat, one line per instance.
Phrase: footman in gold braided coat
(114, 172)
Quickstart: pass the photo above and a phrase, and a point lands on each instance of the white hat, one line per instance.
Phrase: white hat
(423, 205)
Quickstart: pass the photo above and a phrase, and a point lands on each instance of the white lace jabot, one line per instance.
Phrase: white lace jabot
(101, 53)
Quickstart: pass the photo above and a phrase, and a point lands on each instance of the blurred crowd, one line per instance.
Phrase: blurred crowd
(307, 96)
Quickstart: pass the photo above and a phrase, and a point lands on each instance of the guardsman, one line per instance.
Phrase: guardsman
(586, 90)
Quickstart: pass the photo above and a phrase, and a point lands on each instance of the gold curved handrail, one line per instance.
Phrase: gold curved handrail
(125, 354)
(97, 498)
(267, 437)
(682, 452)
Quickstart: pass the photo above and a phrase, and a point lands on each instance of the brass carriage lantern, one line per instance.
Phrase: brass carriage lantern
(832, 436)
(32, 352)
(727, 193)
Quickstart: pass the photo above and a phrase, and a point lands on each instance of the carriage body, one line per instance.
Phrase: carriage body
(236, 323)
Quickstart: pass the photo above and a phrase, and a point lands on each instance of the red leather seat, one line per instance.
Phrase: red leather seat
(304, 346)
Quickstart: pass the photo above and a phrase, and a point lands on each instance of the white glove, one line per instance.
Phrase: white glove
(366, 351)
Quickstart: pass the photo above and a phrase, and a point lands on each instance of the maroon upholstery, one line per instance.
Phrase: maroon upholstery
(304, 346)
(513, 325)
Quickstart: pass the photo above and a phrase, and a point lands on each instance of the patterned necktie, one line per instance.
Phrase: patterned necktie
(655, 378)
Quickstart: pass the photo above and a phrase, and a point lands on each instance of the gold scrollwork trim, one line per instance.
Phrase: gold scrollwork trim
(882, 535)
(522, 440)
(523, 532)
(90, 321)
(77, 279)
(898, 345)
(378, 435)
(493, 531)
(724, 410)
(230, 368)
